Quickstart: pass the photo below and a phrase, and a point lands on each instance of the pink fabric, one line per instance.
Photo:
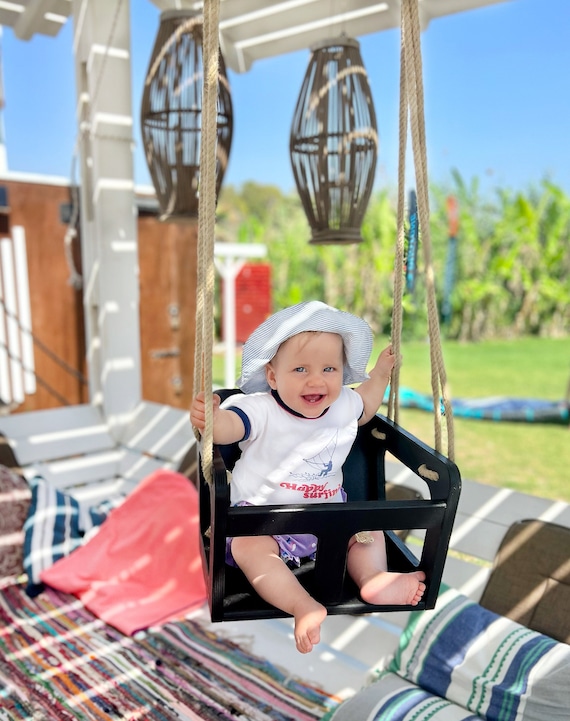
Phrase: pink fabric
(144, 566)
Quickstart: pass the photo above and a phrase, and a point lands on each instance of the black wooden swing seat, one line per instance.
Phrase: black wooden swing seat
(230, 595)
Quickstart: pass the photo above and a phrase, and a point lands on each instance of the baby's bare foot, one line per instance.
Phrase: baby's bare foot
(308, 620)
(399, 589)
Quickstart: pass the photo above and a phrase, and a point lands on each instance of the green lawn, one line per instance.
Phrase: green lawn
(534, 458)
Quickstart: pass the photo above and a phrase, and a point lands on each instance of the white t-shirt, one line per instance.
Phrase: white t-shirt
(288, 459)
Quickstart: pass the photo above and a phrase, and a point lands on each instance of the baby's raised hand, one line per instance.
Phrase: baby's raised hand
(386, 361)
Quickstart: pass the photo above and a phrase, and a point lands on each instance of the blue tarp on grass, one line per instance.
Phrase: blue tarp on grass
(499, 408)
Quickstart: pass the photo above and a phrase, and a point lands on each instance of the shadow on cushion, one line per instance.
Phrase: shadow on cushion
(530, 580)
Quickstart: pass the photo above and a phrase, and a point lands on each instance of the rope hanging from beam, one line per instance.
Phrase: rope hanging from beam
(412, 110)
(206, 229)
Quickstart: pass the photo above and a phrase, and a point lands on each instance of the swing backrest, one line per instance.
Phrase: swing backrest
(230, 595)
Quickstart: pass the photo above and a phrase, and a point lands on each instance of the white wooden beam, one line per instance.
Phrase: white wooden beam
(108, 217)
(254, 29)
(45, 17)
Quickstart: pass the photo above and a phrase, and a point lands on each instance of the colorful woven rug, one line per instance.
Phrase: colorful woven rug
(58, 662)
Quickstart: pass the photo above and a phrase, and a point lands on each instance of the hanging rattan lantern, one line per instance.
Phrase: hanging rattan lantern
(334, 142)
(171, 115)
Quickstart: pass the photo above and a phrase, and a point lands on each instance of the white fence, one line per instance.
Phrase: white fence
(17, 377)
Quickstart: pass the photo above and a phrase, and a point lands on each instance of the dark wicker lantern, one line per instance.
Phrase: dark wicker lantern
(171, 115)
(334, 142)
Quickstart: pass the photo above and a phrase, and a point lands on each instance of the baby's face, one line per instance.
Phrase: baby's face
(307, 372)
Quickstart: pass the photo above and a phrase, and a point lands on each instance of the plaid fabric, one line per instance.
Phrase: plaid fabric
(55, 526)
(264, 342)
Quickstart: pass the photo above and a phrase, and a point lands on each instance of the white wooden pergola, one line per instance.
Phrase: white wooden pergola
(106, 447)
(249, 31)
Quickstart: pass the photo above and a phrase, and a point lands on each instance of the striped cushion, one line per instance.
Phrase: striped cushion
(485, 663)
(55, 526)
(392, 698)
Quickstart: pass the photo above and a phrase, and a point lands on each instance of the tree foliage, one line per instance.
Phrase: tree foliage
(511, 276)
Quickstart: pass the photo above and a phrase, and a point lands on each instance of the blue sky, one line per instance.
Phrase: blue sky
(497, 92)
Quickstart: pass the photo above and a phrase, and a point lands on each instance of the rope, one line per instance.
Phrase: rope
(397, 312)
(206, 228)
(412, 108)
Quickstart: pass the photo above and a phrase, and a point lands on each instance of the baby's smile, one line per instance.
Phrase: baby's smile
(313, 397)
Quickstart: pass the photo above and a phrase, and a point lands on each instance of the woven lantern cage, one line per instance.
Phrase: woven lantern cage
(171, 115)
(334, 142)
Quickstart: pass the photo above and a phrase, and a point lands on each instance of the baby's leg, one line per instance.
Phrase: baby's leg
(367, 566)
(258, 557)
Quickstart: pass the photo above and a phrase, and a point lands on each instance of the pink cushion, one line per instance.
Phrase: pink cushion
(144, 565)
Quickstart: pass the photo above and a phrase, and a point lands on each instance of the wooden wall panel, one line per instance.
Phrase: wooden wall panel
(167, 285)
(167, 266)
(56, 307)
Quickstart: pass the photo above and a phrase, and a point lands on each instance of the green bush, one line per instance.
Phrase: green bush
(511, 271)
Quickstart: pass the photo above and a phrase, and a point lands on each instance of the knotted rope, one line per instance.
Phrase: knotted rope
(412, 108)
(206, 229)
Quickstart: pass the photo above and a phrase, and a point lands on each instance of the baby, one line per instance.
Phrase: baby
(296, 424)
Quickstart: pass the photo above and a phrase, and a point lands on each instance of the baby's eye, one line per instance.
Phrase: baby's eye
(329, 369)
(299, 369)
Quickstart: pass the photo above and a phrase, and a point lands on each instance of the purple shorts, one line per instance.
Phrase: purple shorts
(292, 549)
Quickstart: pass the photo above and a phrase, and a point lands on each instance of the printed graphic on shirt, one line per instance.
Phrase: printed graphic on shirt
(307, 481)
(315, 491)
(322, 461)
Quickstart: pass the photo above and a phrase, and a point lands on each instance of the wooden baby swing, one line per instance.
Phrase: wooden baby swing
(230, 595)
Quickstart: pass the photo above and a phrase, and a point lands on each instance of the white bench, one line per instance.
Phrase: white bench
(73, 448)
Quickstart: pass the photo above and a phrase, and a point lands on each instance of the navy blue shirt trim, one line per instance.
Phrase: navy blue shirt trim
(245, 421)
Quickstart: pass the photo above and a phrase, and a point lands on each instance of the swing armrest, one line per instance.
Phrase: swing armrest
(440, 475)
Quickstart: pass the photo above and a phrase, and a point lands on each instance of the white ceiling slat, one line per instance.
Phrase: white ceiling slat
(9, 13)
(254, 29)
(25, 26)
(250, 37)
(30, 17)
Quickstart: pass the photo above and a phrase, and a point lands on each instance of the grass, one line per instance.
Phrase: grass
(529, 457)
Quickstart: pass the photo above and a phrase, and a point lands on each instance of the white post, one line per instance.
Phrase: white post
(24, 307)
(229, 268)
(5, 384)
(108, 212)
(13, 332)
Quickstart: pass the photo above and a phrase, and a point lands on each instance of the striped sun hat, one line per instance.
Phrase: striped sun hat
(265, 340)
